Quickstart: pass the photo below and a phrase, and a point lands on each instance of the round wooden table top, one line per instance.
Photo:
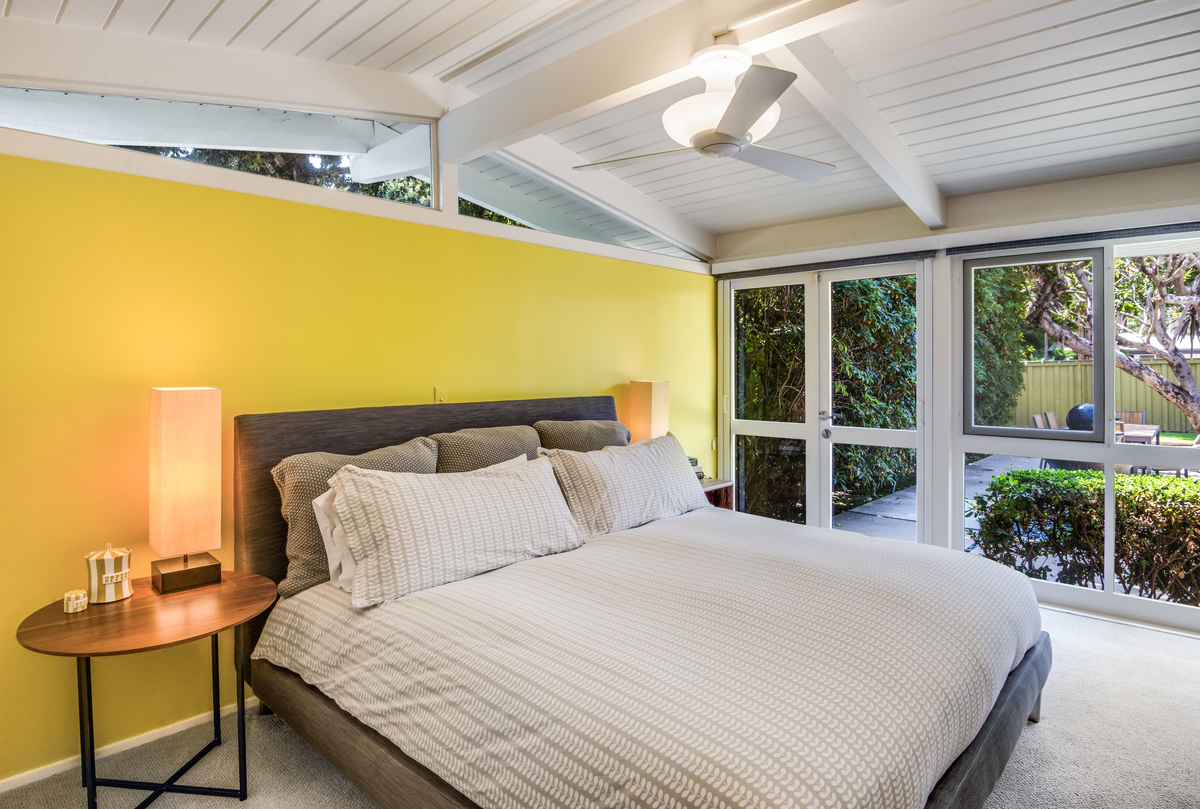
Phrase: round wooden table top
(147, 620)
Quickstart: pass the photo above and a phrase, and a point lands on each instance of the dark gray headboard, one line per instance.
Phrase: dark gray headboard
(262, 441)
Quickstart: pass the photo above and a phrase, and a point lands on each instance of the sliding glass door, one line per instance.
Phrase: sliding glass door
(823, 398)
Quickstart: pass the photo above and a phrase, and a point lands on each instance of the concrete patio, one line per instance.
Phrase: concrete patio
(895, 516)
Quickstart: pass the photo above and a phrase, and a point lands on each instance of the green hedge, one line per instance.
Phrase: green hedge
(1050, 524)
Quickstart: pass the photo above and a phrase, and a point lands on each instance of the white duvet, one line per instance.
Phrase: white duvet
(714, 659)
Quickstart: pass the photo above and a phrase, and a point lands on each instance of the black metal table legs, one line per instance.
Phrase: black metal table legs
(87, 744)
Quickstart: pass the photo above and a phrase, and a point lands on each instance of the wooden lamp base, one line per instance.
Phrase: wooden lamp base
(185, 572)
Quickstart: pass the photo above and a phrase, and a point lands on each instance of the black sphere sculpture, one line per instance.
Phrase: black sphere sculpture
(1081, 417)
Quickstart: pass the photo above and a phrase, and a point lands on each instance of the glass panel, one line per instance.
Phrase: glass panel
(768, 361)
(1158, 535)
(302, 147)
(493, 188)
(874, 352)
(875, 491)
(770, 475)
(1158, 348)
(1032, 345)
(325, 170)
(1042, 518)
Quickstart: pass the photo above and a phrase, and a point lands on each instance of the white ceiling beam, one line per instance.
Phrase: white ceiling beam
(553, 162)
(399, 157)
(774, 29)
(574, 29)
(151, 122)
(828, 86)
(639, 60)
(60, 57)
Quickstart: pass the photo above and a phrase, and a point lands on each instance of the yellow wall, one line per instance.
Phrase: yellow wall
(111, 284)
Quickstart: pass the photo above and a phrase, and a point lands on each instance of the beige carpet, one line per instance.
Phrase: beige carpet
(1120, 728)
(1120, 722)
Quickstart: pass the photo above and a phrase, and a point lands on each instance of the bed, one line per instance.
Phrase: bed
(714, 542)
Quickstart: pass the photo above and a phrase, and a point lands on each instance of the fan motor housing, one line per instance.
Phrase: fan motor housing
(712, 143)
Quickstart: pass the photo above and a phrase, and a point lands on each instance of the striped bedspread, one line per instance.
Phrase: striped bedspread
(712, 660)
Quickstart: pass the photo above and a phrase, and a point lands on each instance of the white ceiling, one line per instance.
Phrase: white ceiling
(976, 95)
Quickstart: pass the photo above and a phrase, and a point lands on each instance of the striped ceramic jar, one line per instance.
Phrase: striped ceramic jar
(108, 575)
(75, 601)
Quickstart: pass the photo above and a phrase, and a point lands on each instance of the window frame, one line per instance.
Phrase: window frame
(1100, 337)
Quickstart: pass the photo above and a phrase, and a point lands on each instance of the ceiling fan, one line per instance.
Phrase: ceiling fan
(727, 120)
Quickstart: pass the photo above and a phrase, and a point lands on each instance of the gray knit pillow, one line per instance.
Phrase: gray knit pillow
(477, 447)
(303, 478)
(583, 435)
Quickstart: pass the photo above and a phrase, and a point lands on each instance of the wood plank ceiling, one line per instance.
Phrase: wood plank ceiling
(985, 93)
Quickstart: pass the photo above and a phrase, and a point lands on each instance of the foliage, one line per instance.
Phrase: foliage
(327, 171)
(1050, 523)
(874, 385)
(1002, 343)
(773, 477)
(468, 208)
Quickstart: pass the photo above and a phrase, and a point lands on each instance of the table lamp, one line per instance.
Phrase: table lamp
(185, 486)
(649, 408)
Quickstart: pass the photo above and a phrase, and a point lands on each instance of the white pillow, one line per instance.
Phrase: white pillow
(623, 487)
(337, 550)
(517, 461)
(407, 532)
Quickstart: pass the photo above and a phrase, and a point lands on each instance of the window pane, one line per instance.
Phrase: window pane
(326, 170)
(875, 491)
(1158, 535)
(769, 371)
(1046, 522)
(874, 352)
(1032, 336)
(769, 474)
(1158, 347)
(303, 147)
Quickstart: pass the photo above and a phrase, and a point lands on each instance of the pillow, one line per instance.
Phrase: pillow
(623, 487)
(477, 447)
(517, 461)
(582, 436)
(411, 532)
(341, 562)
(301, 478)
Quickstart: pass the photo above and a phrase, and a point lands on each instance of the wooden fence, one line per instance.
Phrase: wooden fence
(1059, 386)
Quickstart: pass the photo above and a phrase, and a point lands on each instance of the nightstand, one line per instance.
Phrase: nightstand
(143, 622)
(718, 492)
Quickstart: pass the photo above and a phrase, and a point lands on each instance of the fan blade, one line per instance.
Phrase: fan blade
(789, 165)
(616, 161)
(760, 88)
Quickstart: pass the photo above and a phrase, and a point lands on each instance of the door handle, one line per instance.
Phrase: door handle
(825, 415)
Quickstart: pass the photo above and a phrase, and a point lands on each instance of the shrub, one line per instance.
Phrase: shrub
(1050, 523)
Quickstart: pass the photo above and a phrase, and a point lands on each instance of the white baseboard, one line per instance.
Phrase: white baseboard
(21, 779)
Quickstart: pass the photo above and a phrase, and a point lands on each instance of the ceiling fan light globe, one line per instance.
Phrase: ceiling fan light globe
(693, 114)
(763, 126)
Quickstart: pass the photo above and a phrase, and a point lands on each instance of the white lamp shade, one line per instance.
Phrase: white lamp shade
(649, 408)
(185, 470)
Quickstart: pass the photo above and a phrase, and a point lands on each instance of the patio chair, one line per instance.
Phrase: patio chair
(1038, 421)
(1051, 420)
(1132, 416)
